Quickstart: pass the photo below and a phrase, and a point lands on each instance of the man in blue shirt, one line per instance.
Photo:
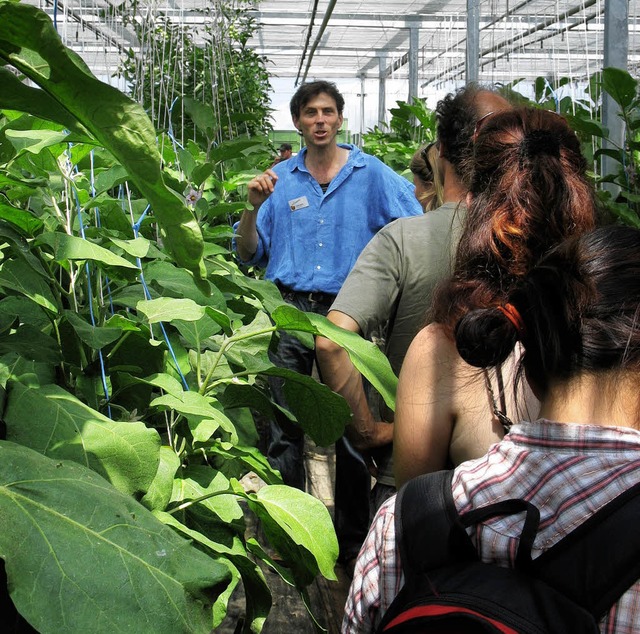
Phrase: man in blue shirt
(312, 216)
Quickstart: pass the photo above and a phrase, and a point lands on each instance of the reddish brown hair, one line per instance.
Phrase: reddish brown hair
(529, 192)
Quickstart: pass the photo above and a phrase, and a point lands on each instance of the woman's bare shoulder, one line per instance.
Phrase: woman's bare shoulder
(434, 339)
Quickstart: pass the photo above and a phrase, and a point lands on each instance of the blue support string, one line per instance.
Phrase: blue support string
(553, 94)
(136, 228)
(87, 268)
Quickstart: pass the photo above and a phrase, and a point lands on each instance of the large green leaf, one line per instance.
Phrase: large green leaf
(167, 309)
(29, 42)
(158, 495)
(22, 219)
(14, 367)
(250, 457)
(20, 277)
(298, 525)
(197, 481)
(201, 413)
(322, 413)
(56, 424)
(14, 307)
(16, 95)
(67, 247)
(31, 343)
(365, 355)
(195, 333)
(82, 557)
(620, 85)
(94, 336)
(177, 282)
(257, 594)
(34, 141)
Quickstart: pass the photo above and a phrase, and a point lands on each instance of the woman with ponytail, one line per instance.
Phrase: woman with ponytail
(529, 191)
(576, 316)
(428, 176)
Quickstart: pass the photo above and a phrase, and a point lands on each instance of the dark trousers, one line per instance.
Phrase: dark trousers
(286, 445)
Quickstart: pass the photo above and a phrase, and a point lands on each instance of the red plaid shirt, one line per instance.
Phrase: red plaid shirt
(567, 471)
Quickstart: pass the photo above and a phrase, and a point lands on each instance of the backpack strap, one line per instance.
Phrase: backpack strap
(431, 533)
(428, 529)
(600, 560)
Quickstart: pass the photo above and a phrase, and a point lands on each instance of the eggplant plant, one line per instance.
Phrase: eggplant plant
(133, 360)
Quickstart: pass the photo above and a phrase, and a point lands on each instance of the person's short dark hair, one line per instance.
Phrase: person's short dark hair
(312, 89)
(285, 146)
(456, 117)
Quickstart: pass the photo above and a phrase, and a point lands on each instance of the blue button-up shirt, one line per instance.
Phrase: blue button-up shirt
(309, 241)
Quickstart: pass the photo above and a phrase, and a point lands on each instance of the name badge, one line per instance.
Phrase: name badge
(298, 203)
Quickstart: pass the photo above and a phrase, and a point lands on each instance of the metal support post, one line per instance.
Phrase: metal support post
(414, 44)
(473, 41)
(616, 48)
(382, 89)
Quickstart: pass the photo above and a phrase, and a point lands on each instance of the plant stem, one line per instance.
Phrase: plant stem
(227, 343)
(186, 505)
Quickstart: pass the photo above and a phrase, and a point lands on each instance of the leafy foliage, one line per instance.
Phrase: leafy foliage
(411, 126)
(133, 357)
(204, 70)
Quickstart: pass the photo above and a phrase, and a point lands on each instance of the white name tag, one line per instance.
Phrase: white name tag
(298, 203)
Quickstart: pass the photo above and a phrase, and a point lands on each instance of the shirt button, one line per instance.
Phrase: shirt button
(319, 244)
(321, 221)
(318, 267)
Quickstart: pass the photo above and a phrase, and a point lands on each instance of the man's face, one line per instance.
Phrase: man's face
(285, 153)
(319, 121)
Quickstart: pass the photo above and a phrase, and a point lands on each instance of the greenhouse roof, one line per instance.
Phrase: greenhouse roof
(306, 39)
(353, 38)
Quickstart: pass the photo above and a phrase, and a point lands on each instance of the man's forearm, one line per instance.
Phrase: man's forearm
(247, 235)
(342, 377)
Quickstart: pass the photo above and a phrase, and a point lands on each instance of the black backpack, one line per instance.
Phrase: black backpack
(448, 590)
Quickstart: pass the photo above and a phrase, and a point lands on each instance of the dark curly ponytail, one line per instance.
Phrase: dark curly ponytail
(580, 312)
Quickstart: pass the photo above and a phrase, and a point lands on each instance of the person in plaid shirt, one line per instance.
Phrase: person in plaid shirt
(577, 316)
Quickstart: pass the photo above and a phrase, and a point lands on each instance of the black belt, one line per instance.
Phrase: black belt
(326, 299)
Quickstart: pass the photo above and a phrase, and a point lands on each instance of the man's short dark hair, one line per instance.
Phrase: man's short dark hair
(456, 116)
(312, 89)
(285, 146)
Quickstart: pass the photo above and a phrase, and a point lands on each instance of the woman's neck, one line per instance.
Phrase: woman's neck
(608, 398)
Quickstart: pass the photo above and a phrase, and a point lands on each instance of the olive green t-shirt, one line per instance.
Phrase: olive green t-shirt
(390, 288)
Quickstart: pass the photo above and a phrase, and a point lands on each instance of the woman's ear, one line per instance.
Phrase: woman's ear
(468, 199)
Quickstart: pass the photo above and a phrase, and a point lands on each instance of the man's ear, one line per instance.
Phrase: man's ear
(468, 199)
(441, 151)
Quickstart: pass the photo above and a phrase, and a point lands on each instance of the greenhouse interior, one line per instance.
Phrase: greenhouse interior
(159, 255)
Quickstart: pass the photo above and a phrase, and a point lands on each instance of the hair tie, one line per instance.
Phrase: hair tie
(512, 314)
(540, 142)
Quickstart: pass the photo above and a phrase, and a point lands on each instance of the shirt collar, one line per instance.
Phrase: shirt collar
(356, 158)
